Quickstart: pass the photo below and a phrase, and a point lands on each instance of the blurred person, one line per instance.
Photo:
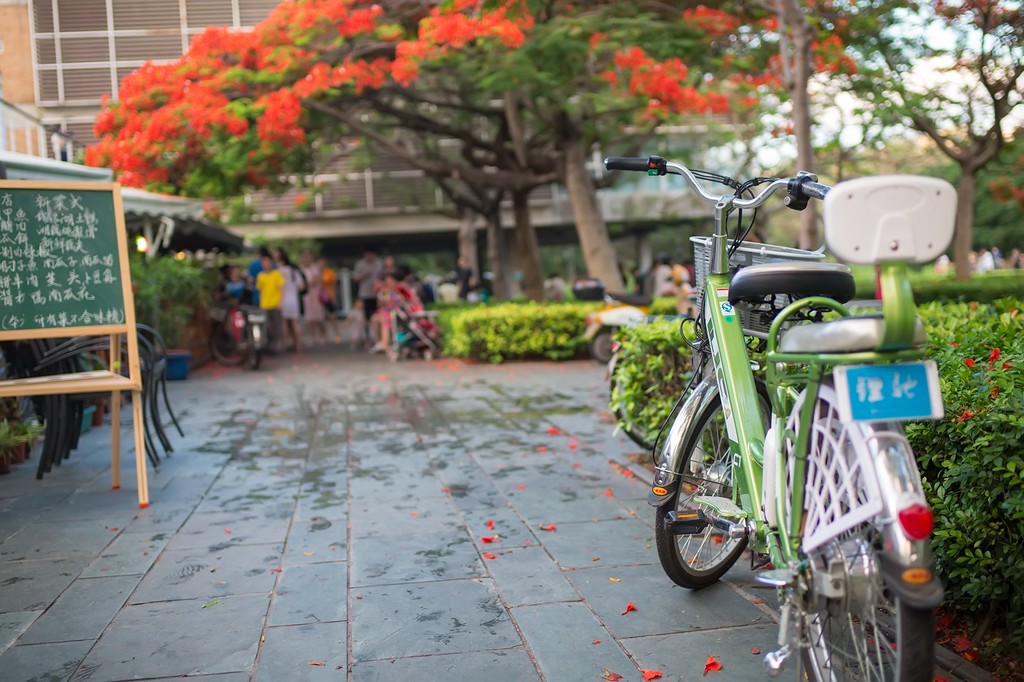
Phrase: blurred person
(662, 277)
(464, 277)
(255, 268)
(986, 261)
(312, 300)
(1014, 259)
(329, 298)
(554, 288)
(270, 287)
(291, 298)
(367, 273)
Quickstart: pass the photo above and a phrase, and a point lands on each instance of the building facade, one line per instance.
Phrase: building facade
(60, 57)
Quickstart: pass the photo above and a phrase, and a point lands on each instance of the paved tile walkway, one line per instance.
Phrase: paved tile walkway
(342, 517)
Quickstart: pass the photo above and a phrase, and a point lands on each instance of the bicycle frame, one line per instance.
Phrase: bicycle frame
(787, 375)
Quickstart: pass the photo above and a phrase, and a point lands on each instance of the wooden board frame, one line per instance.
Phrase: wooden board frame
(103, 381)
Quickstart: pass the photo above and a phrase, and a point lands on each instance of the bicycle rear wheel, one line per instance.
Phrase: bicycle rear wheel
(863, 631)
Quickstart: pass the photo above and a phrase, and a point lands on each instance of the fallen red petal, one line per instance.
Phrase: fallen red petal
(961, 644)
(550, 528)
(609, 675)
(488, 555)
(572, 446)
(711, 665)
(609, 492)
(650, 674)
(520, 487)
(542, 448)
(490, 524)
(228, 531)
(276, 570)
(755, 651)
(629, 607)
(316, 663)
(553, 431)
(596, 641)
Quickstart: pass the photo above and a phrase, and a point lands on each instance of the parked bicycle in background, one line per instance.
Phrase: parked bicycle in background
(810, 466)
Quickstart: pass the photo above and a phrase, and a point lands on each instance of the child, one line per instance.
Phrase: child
(355, 325)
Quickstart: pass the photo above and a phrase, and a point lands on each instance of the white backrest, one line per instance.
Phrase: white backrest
(890, 217)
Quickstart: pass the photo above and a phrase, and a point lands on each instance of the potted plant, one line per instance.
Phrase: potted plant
(8, 444)
(26, 434)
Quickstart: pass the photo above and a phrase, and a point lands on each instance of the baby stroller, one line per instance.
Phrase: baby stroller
(414, 333)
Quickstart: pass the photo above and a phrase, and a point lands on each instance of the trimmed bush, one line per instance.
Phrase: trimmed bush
(928, 287)
(653, 369)
(508, 331)
(972, 461)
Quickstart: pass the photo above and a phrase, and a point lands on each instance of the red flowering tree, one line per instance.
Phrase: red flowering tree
(525, 92)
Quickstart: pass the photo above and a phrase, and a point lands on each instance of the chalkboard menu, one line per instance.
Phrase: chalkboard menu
(63, 268)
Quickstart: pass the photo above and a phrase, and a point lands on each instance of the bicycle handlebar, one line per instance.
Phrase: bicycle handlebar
(799, 189)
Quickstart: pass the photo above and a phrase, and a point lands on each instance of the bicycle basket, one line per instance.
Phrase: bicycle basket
(749, 253)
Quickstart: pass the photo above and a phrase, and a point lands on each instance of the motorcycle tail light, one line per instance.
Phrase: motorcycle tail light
(917, 521)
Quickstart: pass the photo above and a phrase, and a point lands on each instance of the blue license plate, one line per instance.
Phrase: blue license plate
(900, 392)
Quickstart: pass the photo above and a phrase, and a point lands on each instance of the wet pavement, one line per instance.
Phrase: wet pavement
(341, 517)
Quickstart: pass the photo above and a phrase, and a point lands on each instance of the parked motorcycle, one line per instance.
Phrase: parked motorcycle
(619, 310)
(238, 336)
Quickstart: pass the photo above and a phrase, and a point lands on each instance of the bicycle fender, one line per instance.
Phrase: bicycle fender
(669, 466)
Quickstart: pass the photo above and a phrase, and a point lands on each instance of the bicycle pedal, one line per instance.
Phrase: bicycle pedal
(686, 523)
(777, 577)
(722, 506)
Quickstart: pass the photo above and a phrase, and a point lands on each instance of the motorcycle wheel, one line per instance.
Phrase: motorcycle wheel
(224, 349)
(601, 346)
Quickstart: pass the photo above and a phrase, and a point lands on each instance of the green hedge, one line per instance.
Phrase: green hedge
(972, 461)
(929, 287)
(513, 331)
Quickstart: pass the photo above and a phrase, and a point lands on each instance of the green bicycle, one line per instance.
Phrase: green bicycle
(810, 466)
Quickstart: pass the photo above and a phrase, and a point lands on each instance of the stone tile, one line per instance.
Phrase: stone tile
(34, 585)
(12, 624)
(57, 540)
(682, 656)
(201, 573)
(662, 607)
(429, 556)
(507, 665)
(542, 503)
(507, 525)
(574, 545)
(83, 611)
(316, 541)
(218, 529)
(288, 652)
(220, 677)
(562, 638)
(310, 594)
(160, 517)
(428, 618)
(527, 575)
(128, 554)
(43, 661)
(177, 638)
(412, 516)
(110, 507)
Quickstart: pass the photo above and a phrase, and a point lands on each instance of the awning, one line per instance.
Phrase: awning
(192, 232)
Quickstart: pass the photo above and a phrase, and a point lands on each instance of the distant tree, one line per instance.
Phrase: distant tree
(960, 96)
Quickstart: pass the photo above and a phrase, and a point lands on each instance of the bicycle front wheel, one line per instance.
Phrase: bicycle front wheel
(861, 630)
(696, 561)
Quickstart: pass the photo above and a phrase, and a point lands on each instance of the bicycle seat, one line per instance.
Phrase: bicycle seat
(631, 299)
(848, 335)
(799, 280)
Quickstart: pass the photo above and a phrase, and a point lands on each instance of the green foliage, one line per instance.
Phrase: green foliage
(508, 331)
(972, 462)
(928, 286)
(654, 368)
(167, 292)
(664, 306)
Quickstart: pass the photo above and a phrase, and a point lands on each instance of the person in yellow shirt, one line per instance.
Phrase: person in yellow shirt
(270, 284)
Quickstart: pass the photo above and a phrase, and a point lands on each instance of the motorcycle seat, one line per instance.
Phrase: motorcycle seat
(798, 280)
(638, 300)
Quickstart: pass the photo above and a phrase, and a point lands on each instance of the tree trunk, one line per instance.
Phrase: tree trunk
(528, 247)
(467, 240)
(598, 253)
(496, 256)
(962, 238)
(798, 73)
